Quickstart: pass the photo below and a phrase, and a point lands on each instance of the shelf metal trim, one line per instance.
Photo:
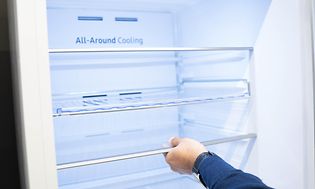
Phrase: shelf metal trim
(207, 80)
(135, 106)
(149, 49)
(150, 153)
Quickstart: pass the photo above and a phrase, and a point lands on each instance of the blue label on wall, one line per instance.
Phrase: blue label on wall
(109, 40)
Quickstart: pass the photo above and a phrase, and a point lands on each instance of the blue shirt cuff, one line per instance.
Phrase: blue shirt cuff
(212, 168)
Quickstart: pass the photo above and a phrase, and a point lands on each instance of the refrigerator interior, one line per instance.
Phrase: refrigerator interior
(127, 76)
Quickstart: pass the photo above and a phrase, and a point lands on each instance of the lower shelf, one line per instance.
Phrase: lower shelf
(139, 154)
(154, 179)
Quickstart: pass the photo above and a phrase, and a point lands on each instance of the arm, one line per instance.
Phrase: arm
(214, 171)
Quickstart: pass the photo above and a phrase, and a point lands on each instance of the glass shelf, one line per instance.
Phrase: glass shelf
(78, 151)
(101, 105)
(119, 57)
(149, 49)
(191, 91)
(156, 179)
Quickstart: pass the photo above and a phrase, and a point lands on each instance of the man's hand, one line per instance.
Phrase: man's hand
(184, 154)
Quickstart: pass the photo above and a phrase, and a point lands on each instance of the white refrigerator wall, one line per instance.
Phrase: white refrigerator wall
(222, 23)
(283, 100)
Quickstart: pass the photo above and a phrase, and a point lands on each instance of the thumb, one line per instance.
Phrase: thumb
(174, 141)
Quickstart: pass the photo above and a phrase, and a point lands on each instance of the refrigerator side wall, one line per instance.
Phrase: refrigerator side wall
(32, 93)
(284, 119)
(308, 73)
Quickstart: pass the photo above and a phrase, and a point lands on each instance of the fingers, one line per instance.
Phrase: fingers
(174, 141)
(183, 154)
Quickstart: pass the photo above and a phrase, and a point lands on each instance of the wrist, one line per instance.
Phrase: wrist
(194, 156)
(199, 159)
(197, 164)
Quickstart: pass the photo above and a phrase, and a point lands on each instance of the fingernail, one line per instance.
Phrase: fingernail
(170, 140)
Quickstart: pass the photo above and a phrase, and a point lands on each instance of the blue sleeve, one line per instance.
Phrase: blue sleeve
(217, 174)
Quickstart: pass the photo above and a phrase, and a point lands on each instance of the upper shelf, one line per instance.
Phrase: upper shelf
(150, 49)
(190, 92)
(137, 57)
